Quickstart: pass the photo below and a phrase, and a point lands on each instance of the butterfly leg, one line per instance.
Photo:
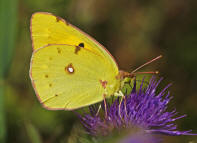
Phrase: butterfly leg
(121, 95)
(99, 108)
(105, 105)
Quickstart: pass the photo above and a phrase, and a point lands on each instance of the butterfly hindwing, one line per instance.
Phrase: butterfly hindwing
(64, 79)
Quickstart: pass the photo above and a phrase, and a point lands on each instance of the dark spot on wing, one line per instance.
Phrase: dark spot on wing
(58, 18)
(70, 69)
(78, 48)
(103, 83)
(50, 58)
(50, 98)
(46, 75)
(81, 45)
(67, 23)
(59, 50)
(50, 84)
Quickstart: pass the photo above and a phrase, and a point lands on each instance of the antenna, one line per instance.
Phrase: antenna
(151, 72)
(123, 74)
(156, 72)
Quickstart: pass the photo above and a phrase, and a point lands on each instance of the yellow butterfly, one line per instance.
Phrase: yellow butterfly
(69, 69)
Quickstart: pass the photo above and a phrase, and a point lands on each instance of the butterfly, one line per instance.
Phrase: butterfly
(69, 69)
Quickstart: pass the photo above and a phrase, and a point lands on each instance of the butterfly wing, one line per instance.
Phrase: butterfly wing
(47, 28)
(64, 79)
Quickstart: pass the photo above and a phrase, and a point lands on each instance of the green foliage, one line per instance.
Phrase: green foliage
(127, 83)
(8, 28)
(33, 133)
(2, 117)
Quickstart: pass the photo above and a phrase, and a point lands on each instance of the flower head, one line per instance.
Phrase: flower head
(142, 109)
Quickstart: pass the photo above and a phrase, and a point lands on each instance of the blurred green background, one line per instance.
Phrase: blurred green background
(134, 31)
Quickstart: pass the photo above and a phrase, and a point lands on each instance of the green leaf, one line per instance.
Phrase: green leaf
(33, 133)
(8, 28)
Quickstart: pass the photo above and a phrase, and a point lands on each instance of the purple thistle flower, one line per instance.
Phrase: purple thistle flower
(140, 138)
(144, 109)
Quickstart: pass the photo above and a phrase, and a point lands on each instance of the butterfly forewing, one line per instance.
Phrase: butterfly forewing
(49, 29)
